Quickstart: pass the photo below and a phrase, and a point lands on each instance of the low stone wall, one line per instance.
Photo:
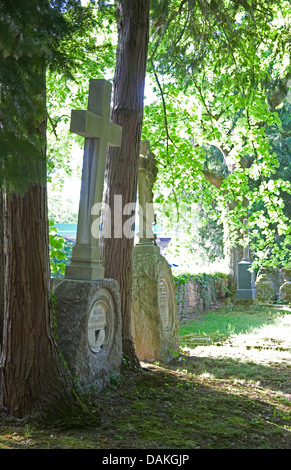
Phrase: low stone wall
(196, 293)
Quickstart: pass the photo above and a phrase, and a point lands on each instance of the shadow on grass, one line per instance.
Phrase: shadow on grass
(273, 377)
(173, 406)
(170, 407)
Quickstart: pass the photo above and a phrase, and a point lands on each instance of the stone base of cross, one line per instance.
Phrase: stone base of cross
(99, 133)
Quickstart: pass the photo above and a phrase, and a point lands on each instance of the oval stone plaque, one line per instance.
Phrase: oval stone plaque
(97, 326)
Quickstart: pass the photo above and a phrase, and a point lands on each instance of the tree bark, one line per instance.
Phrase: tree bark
(32, 380)
(1, 271)
(233, 253)
(122, 163)
(31, 377)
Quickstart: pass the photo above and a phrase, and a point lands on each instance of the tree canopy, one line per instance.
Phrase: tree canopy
(220, 121)
(220, 128)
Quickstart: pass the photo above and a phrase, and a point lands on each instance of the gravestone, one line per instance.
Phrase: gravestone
(285, 288)
(268, 284)
(88, 329)
(154, 308)
(147, 173)
(99, 132)
(246, 279)
(87, 305)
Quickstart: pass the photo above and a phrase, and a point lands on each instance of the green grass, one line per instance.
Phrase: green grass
(224, 323)
(230, 391)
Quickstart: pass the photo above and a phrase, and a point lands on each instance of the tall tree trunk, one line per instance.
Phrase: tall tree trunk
(233, 253)
(1, 271)
(32, 380)
(122, 163)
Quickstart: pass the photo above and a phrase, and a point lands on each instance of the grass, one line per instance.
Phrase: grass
(230, 388)
(229, 321)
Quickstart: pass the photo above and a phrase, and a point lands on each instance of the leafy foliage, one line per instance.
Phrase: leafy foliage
(34, 36)
(60, 251)
(93, 49)
(222, 73)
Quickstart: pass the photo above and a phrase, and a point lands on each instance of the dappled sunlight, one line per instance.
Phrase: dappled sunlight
(269, 343)
(255, 401)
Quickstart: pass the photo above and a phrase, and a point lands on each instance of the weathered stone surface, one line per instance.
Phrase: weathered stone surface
(154, 308)
(276, 276)
(190, 299)
(99, 133)
(286, 274)
(265, 286)
(89, 328)
(285, 288)
(285, 292)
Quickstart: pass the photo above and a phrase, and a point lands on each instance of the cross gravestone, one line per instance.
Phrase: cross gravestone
(87, 306)
(147, 173)
(246, 279)
(99, 132)
(154, 308)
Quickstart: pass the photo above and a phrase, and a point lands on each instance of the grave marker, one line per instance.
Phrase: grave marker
(147, 173)
(154, 307)
(88, 312)
(99, 133)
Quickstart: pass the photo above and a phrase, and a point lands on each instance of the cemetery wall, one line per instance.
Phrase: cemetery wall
(196, 293)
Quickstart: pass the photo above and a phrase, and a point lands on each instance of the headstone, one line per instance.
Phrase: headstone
(88, 329)
(246, 279)
(268, 283)
(87, 306)
(154, 306)
(264, 286)
(147, 173)
(285, 289)
(99, 133)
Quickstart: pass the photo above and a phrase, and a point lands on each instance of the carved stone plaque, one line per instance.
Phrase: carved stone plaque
(97, 326)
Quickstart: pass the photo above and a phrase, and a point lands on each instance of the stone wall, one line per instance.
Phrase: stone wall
(196, 293)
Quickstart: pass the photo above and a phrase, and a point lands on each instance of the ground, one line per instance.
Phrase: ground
(226, 390)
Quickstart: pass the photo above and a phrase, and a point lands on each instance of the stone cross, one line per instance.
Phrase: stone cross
(147, 173)
(99, 133)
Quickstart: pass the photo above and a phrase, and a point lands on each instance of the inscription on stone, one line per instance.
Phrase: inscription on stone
(164, 303)
(97, 326)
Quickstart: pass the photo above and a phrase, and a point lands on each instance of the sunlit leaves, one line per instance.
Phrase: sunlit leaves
(226, 69)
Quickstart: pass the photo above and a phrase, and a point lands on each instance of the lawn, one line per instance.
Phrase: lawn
(230, 388)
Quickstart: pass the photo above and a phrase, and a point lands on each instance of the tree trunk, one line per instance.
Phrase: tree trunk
(233, 253)
(32, 380)
(1, 272)
(122, 163)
